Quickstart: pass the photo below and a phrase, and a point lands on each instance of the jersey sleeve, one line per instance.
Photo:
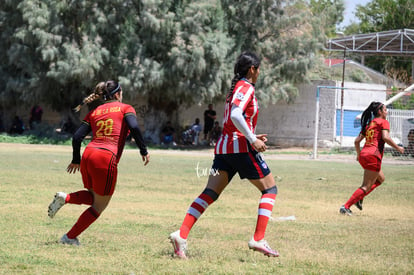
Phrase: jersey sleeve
(129, 110)
(242, 96)
(385, 125)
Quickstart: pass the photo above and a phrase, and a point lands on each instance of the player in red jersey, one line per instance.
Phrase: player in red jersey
(375, 130)
(110, 124)
(238, 150)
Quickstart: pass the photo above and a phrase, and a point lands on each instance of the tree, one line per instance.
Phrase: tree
(331, 14)
(173, 53)
(58, 50)
(181, 60)
(384, 15)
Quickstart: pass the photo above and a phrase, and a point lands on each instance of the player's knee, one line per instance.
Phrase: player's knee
(271, 190)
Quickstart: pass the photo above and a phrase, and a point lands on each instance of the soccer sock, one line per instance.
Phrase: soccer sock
(85, 220)
(80, 197)
(196, 209)
(375, 185)
(358, 194)
(265, 211)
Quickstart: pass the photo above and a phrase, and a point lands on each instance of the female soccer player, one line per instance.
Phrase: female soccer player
(375, 130)
(237, 151)
(110, 124)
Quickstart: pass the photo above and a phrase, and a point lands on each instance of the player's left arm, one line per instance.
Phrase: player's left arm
(132, 123)
(386, 137)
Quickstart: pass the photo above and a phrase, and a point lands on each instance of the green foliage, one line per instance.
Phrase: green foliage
(330, 12)
(385, 15)
(174, 53)
(406, 103)
(41, 134)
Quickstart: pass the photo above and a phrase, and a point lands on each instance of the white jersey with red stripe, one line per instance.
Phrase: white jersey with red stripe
(232, 140)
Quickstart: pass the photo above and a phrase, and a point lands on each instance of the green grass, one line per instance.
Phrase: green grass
(150, 202)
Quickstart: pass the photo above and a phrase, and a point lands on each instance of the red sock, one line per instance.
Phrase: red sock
(375, 185)
(196, 209)
(265, 211)
(85, 220)
(358, 195)
(80, 197)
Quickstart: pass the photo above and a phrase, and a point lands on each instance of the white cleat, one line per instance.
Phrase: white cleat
(56, 204)
(179, 244)
(263, 247)
(66, 240)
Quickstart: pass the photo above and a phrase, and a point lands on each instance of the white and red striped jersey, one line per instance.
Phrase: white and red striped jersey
(232, 140)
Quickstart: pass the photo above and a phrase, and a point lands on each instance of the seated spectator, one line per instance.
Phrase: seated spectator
(168, 135)
(196, 128)
(215, 133)
(17, 126)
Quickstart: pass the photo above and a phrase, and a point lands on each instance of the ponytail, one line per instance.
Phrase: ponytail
(105, 90)
(97, 93)
(369, 114)
(235, 79)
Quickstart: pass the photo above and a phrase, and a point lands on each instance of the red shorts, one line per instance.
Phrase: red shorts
(99, 170)
(370, 162)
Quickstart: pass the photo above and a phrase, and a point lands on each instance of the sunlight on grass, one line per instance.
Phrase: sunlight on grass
(150, 202)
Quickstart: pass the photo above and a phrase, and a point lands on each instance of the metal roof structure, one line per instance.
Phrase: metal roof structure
(391, 43)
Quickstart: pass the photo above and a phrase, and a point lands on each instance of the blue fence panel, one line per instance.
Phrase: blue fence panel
(352, 126)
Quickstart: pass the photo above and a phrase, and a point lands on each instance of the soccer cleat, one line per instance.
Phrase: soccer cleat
(56, 204)
(179, 244)
(66, 240)
(358, 204)
(345, 211)
(263, 247)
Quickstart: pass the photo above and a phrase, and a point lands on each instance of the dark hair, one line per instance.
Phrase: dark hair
(369, 114)
(244, 62)
(110, 89)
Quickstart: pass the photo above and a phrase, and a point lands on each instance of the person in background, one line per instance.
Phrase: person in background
(238, 150)
(35, 116)
(196, 130)
(110, 124)
(209, 117)
(168, 134)
(215, 133)
(375, 130)
(17, 126)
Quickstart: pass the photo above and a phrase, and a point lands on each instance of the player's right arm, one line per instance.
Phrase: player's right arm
(77, 139)
(357, 144)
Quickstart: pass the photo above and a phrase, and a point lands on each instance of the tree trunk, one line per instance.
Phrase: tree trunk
(154, 120)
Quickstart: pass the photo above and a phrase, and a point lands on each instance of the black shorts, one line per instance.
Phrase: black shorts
(249, 165)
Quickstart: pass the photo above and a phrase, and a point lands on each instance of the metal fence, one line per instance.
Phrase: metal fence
(341, 118)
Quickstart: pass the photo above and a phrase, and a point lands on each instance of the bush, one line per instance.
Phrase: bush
(42, 134)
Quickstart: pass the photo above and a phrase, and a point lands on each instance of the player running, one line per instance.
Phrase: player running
(375, 130)
(110, 124)
(237, 151)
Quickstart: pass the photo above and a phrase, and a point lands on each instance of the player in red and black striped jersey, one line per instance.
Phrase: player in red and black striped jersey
(110, 124)
(375, 130)
(238, 150)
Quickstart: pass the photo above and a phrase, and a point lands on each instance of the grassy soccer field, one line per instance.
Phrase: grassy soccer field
(150, 202)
